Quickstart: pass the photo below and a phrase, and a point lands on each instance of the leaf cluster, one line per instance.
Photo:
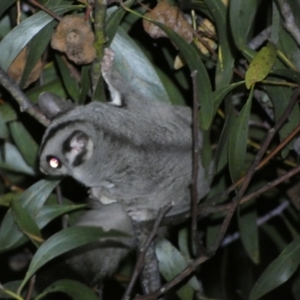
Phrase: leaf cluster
(244, 87)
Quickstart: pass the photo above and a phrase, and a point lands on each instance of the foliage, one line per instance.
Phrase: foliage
(247, 75)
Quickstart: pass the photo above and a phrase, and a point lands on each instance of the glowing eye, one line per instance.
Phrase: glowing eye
(54, 162)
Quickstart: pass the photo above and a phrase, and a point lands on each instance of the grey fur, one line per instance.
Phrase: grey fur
(139, 155)
(142, 159)
(100, 259)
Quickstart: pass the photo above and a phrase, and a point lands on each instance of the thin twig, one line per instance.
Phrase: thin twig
(166, 287)
(266, 143)
(65, 218)
(205, 209)
(30, 288)
(289, 19)
(260, 221)
(195, 166)
(143, 250)
(45, 9)
(224, 194)
(258, 40)
(24, 103)
(100, 40)
(252, 169)
(232, 206)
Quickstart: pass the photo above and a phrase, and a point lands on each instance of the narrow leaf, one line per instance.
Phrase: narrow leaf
(113, 21)
(203, 85)
(50, 212)
(32, 200)
(280, 97)
(7, 113)
(6, 199)
(3, 129)
(76, 290)
(70, 83)
(171, 263)
(225, 56)
(279, 271)
(136, 69)
(85, 84)
(221, 155)
(241, 15)
(24, 141)
(36, 48)
(63, 242)
(247, 218)
(12, 160)
(219, 94)
(287, 73)
(26, 222)
(20, 36)
(5, 4)
(238, 141)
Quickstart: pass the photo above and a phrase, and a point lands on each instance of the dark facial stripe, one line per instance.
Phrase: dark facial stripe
(76, 135)
(79, 137)
(80, 158)
(53, 131)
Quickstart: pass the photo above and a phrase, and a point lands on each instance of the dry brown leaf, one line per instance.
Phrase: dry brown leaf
(75, 37)
(170, 16)
(207, 32)
(16, 69)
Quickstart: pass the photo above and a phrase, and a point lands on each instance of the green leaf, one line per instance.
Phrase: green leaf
(276, 237)
(26, 223)
(221, 155)
(7, 113)
(4, 5)
(287, 73)
(12, 160)
(32, 200)
(85, 84)
(238, 141)
(54, 86)
(287, 43)
(225, 56)
(171, 263)
(36, 48)
(203, 85)
(70, 83)
(21, 35)
(136, 69)
(3, 129)
(63, 242)
(241, 15)
(24, 141)
(261, 65)
(76, 290)
(6, 199)
(184, 243)
(113, 21)
(213, 229)
(279, 271)
(276, 23)
(247, 218)
(280, 97)
(219, 94)
(10, 286)
(50, 212)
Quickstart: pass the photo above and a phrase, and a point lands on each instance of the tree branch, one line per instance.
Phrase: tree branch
(24, 103)
(290, 23)
(143, 250)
